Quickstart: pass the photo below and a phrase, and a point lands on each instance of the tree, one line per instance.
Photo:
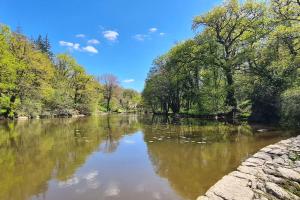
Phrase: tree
(35, 83)
(290, 106)
(229, 24)
(43, 44)
(110, 83)
(286, 10)
(245, 60)
(272, 60)
(156, 93)
(130, 100)
(33, 76)
(8, 75)
(178, 79)
(75, 91)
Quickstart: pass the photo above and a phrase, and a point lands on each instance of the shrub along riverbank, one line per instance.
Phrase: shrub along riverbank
(36, 83)
(245, 62)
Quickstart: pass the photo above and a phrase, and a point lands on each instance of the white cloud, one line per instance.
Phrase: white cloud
(70, 45)
(111, 35)
(140, 37)
(91, 178)
(90, 49)
(129, 142)
(69, 182)
(129, 81)
(153, 30)
(80, 36)
(75, 46)
(112, 190)
(92, 175)
(67, 44)
(93, 41)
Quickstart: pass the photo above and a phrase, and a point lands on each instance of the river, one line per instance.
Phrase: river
(124, 157)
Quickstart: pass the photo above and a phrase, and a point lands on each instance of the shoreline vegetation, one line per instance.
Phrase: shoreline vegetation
(35, 83)
(242, 64)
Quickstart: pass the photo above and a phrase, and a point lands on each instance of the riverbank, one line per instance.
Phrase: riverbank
(76, 115)
(271, 173)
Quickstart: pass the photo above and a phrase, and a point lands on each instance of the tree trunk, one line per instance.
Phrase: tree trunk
(175, 105)
(108, 105)
(165, 108)
(230, 96)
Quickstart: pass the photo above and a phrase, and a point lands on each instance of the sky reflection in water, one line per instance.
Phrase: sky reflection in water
(121, 157)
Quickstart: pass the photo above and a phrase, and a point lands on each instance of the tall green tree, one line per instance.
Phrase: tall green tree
(245, 60)
(8, 75)
(229, 24)
(43, 44)
(74, 89)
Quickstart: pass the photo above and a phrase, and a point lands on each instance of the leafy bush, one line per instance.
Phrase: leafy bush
(290, 106)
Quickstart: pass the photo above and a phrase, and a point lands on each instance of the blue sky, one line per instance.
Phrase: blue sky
(121, 37)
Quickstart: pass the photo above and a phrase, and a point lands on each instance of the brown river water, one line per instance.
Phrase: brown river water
(126, 157)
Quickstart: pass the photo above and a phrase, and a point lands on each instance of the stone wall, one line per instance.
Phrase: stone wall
(271, 173)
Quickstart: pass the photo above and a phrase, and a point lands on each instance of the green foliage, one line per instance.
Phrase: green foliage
(291, 106)
(130, 100)
(110, 89)
(74, 89)
(229, 26)
(43, 44)
(244, 62)
(34, 82)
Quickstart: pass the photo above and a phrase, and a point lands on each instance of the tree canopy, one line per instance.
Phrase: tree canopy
(244, 62)
(35, 82)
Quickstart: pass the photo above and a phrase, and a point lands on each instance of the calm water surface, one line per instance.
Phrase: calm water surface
(121, 157)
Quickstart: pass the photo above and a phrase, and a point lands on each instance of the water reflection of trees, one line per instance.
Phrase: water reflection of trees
(191, 168)
(33, 152)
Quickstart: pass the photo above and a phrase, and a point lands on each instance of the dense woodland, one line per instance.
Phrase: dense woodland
(36, 83)
(243, 62)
